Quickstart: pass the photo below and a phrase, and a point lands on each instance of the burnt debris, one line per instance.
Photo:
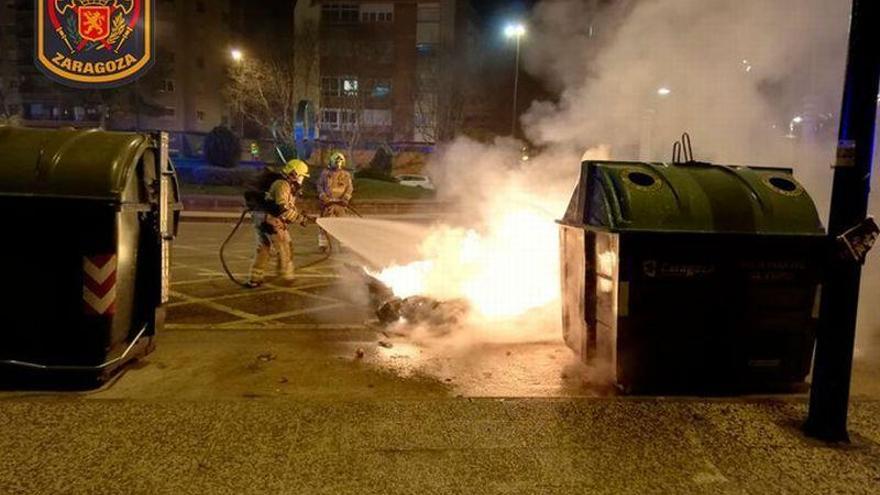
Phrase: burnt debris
(413, 310)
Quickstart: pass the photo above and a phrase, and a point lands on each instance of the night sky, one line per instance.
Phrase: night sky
(489, 9)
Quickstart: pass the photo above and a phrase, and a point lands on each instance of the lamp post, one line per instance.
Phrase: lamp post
(832, 368)
(516, 31)
(238, 58)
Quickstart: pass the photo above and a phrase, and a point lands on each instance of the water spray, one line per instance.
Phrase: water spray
(238, 224)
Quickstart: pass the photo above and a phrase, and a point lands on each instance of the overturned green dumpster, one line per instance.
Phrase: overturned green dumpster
(89, 218)
(692, 276)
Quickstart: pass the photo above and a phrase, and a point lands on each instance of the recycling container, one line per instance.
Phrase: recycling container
(691, 276)
(89, 217)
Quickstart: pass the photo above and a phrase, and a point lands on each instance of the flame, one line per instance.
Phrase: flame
(504, 272)
(510, 267)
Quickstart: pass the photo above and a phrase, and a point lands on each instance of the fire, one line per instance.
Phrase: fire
(503, 272)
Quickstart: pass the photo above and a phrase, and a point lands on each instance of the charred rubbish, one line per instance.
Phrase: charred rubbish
(413, 310)
(421, 310)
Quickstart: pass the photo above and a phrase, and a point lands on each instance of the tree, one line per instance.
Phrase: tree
(7, 116)
(439, 101)
(222, 147)
(351, 106)
(380, 167)
(267, 92)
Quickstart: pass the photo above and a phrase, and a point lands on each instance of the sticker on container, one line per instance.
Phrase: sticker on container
(99, 285)
(846, 154)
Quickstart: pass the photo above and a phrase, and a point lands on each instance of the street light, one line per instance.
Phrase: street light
(238, 57)
(664, 91)
(515, 31)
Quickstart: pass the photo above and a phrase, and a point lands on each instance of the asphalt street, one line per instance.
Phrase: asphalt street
(291, 388)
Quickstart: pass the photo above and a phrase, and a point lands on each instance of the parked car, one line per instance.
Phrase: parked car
(422, 181)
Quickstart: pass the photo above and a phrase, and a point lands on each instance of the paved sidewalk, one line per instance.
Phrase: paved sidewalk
(468, 446)
(263, 391)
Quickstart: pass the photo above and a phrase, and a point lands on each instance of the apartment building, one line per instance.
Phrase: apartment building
(390, 71)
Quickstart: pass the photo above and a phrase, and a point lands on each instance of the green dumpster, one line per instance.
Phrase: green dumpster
(692, 277)
(89, 218)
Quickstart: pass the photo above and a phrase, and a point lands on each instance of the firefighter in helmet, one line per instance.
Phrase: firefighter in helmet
(335, 189)
(279, 210)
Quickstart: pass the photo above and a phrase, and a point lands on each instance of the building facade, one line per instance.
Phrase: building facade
(390, 71)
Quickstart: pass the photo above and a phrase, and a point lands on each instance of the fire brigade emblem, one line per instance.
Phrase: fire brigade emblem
(95, 43)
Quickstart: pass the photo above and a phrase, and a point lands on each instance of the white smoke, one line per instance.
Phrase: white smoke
(754, 82)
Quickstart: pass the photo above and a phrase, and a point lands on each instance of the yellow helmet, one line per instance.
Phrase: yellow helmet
(298, 167)
(334, 157)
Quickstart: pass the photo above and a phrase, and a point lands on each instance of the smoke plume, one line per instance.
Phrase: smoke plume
(754, 82)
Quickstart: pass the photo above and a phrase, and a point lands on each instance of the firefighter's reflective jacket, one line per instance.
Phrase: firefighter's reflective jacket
(282, 198)
(275, 195)
(335, 186)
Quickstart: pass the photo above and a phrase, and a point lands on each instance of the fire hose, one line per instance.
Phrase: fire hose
(244, 214)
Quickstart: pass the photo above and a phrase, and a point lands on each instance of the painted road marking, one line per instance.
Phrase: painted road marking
(286, 314)
(219, 307)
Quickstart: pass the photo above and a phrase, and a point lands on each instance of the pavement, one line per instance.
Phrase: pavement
(263, 391)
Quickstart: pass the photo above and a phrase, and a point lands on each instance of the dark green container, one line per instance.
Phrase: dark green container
(89, 217)
(692, 277)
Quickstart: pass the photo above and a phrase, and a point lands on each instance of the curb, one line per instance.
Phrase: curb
(232, 217)
(218, 207)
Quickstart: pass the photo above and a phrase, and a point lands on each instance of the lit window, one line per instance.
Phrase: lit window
(350, 86)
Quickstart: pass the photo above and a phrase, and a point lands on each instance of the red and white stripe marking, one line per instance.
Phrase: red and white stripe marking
(99, 284)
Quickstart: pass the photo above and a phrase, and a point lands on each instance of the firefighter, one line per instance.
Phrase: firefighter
(334, 192)
(278, 210)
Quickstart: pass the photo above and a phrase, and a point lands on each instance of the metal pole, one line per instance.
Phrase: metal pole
(515, 88)
(240, 105)
(829, 397)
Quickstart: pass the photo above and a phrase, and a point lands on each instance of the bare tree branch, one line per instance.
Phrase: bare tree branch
(440, 97)
(267, 92)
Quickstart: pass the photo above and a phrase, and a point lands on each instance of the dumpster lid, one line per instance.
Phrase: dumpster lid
(691, 197)
(88, 164)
